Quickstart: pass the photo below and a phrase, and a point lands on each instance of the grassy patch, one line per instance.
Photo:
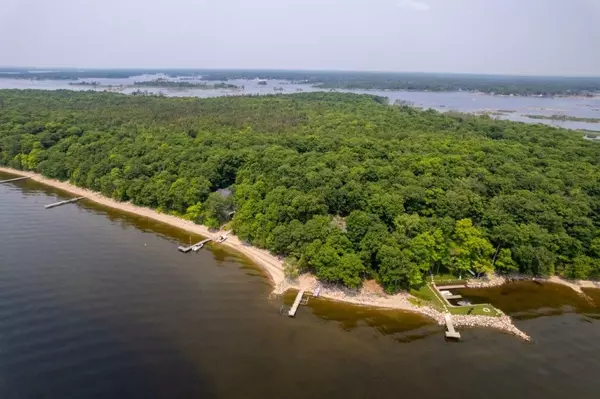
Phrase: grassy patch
(448, 279)
(478, 310)
(418, 301)
(426, 293)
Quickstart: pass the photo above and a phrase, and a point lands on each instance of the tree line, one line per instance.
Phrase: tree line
(339, 184)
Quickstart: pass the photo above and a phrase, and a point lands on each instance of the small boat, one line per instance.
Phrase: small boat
(221, 239)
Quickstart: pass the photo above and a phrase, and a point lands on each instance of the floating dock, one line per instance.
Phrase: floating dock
(196, 247)
(449, 295)
(450, 331)
(64, 202)
(296, 304)
(12, 180)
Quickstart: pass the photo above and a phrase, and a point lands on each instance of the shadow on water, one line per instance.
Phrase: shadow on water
(531, 299)
(400, 325)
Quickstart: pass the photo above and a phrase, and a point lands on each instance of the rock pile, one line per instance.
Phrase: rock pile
(503, 323)
(401, 301)
(492, 280)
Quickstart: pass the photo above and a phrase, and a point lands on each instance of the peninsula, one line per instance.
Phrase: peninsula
(341, 187)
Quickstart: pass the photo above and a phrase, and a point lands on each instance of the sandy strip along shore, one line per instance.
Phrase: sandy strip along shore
(272, 264)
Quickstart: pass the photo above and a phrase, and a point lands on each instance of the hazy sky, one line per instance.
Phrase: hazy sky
(556, 37)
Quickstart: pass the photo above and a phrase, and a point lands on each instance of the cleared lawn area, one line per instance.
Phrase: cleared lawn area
(428, 295)
(478, 310)
(448, 279)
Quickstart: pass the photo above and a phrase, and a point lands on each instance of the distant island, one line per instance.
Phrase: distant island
(183, 84)
(564, 118)
(94, 83)
(539, 86)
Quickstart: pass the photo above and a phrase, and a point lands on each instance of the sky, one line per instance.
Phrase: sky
(519, 37)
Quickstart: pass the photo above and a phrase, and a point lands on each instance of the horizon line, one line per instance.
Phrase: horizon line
(374, 71)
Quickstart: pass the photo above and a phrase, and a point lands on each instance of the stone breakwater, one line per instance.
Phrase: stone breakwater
(503, 323)
(400, 301)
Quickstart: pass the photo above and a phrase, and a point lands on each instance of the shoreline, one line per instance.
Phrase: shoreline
(273, 266)
(496, 281)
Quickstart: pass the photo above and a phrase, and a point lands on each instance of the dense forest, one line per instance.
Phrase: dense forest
(340, 184)
(545, 86)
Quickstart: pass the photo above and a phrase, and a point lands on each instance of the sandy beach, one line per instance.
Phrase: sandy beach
(271, 264)
(369, 295)
(268, 262)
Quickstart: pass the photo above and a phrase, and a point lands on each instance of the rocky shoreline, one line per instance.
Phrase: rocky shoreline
(370, 296)
(503, 323)
(490, 281)
(496, 281)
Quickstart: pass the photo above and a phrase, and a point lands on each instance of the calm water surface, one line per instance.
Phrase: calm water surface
(514, 108)
(95, 303)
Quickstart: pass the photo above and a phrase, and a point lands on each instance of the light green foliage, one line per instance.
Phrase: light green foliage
(411, 192)
(505, 262)
(581, 268)
(397, 269)
(470, 250)
(290, 267)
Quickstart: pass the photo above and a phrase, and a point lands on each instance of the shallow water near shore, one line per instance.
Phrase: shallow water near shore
(98, 303)
(530, 299)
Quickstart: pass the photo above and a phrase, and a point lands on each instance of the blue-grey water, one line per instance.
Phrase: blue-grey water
(95, 303)
(518, 107)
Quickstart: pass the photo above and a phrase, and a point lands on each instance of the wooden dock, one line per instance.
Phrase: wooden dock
(296, 304)
(450, 287)
(12, 180)
(196, 247)
(450, 331)
(64, 202)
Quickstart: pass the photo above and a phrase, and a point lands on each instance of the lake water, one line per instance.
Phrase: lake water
(518, 107)
(95, 303)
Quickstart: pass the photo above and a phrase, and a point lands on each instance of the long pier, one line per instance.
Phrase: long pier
(451, 332)
(297, 301)
(64, 202)
(196, 247)
(12, 180)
